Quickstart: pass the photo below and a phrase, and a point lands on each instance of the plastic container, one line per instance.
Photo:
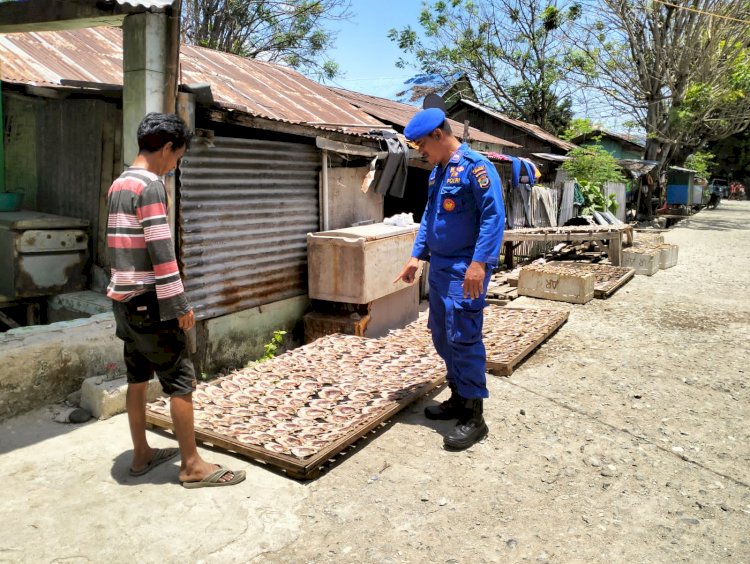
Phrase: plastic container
(10, 201)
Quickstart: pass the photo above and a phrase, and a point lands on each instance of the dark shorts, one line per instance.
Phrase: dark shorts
(152, 345)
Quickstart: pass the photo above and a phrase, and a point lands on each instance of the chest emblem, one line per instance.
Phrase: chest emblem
(449, 204)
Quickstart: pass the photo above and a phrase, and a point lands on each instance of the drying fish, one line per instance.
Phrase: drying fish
(325, 404)
(273, 446)
(269, 401)
(312, 413)
(330, 392)
(303, 451)
(229, 386)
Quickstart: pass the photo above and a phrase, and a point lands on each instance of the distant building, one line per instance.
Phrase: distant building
(616, 144)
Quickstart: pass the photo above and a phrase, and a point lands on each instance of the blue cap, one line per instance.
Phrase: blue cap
(423, 123)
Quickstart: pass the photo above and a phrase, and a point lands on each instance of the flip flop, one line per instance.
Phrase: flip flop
(214, 479)
(160, 456)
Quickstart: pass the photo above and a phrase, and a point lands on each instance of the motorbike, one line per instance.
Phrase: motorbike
(713, 200)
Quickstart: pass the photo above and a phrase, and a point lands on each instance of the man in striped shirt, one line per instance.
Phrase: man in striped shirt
(149, 302)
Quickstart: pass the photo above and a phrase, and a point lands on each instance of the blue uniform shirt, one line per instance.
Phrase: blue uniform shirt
(465, 216)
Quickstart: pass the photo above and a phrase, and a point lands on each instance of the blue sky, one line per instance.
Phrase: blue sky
(366, 56)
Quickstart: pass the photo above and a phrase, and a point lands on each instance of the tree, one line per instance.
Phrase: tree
(732, 156)
(513, 51)
(681, 72)
(291, 32)
(593, 164)
(701, 162)
(576, 127)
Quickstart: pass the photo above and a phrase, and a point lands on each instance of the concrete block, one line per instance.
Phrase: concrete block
(105, 398)
(44, 363)
(667, 255)
(77, 305)
(643, 260)
(551, 283)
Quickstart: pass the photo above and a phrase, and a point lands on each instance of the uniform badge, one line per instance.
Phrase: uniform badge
(449, 204)
(480, 173)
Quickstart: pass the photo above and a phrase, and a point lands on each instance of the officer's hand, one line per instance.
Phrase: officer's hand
(409, 271)
(187, 321)
(474, 280)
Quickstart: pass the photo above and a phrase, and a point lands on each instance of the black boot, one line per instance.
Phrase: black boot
(470, 428)
(449, 409)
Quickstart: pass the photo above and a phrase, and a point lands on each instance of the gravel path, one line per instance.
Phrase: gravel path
(624, 438)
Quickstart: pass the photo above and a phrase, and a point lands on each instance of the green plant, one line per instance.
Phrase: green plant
(700, 162)
(593, 164)
(272, 347)
(595, 200)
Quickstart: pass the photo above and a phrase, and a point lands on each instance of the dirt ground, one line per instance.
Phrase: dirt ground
(624, 438)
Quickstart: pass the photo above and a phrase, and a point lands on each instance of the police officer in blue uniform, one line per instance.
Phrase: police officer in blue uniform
(460, 234)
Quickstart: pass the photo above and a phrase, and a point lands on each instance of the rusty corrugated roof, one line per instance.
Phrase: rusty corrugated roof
(261, 89)
(529, 128)
(398, 113)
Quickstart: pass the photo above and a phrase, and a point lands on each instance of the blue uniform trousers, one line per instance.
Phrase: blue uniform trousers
(456, 325)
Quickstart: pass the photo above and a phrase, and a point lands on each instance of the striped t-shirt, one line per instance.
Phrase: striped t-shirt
(139, 243)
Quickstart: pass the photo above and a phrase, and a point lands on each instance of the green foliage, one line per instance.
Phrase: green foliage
(594, 199)
(576, 127)
(700, 162)
(272, 346)
(513, 51)
(593, 164)
(293, 32)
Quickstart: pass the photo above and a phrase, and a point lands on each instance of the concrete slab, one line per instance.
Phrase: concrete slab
(74, 501)
(105, 398)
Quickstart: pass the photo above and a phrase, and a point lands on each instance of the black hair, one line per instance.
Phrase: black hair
(156, 130)
(446, 127)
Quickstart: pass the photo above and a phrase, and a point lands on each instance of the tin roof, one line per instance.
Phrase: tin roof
(634, 143)
(529, 128)
(399, 114)
(94, 56)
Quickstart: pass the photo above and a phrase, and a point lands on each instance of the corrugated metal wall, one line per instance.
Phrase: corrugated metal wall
(245, 208)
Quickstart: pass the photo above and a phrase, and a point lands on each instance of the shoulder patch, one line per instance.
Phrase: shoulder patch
(480, 173)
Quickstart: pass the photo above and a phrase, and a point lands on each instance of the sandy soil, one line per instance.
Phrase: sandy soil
(624, 438)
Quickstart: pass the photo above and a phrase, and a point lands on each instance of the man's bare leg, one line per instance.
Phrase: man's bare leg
(192, 468)
(135, 403)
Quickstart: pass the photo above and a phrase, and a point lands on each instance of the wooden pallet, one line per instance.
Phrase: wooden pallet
(609, 278)
(512, 334)
(509, 335)
(373, 362)
(310, 468)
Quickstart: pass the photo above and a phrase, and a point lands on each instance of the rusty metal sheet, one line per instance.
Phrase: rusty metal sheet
(529, 128)
(262, 89)
(399, 113)
(245, 208)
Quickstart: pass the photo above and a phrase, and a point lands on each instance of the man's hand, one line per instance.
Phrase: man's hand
(187, 321)
(407, 274)
(474, 280)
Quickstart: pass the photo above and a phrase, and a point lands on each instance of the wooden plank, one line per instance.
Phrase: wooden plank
(8, 321)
